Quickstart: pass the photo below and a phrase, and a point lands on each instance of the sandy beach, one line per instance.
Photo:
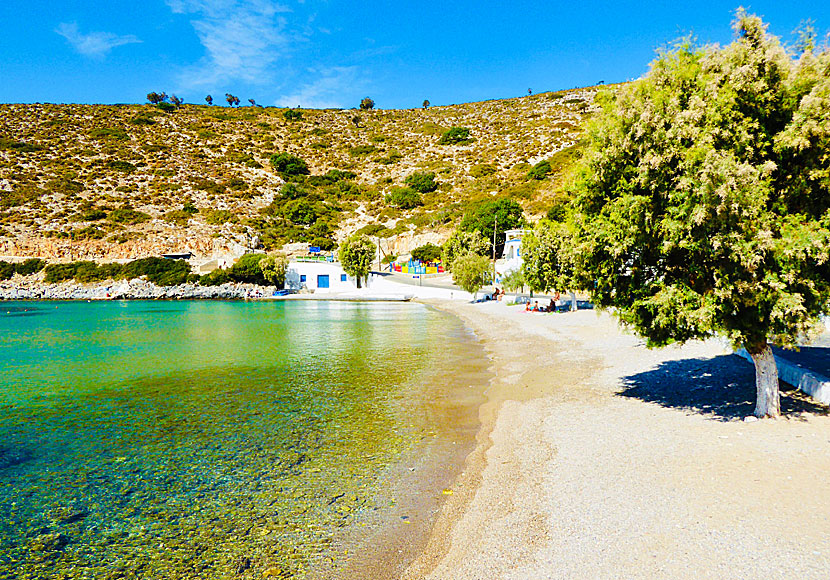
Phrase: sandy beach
(600, 458)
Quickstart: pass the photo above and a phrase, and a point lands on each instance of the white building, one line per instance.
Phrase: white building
(319, 277)
(511, 258)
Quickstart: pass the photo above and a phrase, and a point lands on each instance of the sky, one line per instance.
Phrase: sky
(332, 53)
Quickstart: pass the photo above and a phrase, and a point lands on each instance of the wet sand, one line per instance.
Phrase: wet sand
(599, 458)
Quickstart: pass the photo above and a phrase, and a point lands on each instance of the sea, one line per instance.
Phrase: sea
(196, 439)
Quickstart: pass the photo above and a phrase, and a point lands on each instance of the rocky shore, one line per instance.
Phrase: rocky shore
(19, 288)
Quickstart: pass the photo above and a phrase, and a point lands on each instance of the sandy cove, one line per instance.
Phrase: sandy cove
(599, 458)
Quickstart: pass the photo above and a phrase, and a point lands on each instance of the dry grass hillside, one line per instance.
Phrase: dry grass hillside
(127, 181)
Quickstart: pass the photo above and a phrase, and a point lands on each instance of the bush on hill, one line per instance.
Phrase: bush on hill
(404, 198)
(456, 136)
(288, 164)
(427, 253)
(423, 182)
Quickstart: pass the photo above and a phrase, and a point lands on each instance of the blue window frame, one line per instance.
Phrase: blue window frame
(302, 278)
(322, 280)
(342, 277)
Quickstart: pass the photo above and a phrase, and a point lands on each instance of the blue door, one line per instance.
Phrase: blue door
(322, 280)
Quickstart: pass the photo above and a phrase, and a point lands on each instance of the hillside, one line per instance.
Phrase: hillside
(126, 181)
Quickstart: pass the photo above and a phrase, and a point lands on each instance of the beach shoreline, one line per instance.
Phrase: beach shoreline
(600, 458)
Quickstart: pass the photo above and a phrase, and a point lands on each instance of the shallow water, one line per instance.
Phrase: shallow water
(211, 439)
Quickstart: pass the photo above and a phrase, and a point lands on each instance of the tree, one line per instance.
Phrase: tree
(456, 136)
(461, 243)
(426, 253)
(703, 201)
(247, 269)
(232, 100)
(288, 164)
(548, 258)
(156, 98)
(356, 255)
(253, 102)
(471, 272)
(209, 100)
(367, 104)
(292, 115)
(513, 280)
(502, 214)
(176, 101)
(404, 198)
(273, 269)
(423, 181)
(426, 103)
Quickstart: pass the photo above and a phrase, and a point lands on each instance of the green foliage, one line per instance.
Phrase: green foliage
(456, 136)
(116, 133)
(156, 98)
(367, 104)
(247, 269)
(167, 107)
(362, 150)
(375, 230)
(179, 217)
(273, 269)
(461, 243)
(558, 211)
(127, 216)
(124, 166)
(287, 164)
(159, 271)
(547, 259)
(390, 158)
(702, 205)
(540, 171)
(504, 214)
(7, 270)
(218, 217)
(215, 278)
(356, 254)
(404, 198)
(30, 266)
(482, 170)
(427, 253)
(513, 280)
(471, 272)
(301, 211)
(292, 115)
(7, 144)
(423, 182)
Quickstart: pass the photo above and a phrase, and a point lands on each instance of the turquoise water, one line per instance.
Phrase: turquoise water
(209, 439)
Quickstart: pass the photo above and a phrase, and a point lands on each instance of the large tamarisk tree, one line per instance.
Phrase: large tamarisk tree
(703, 202)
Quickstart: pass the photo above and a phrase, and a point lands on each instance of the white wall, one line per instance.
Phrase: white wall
(311, 271)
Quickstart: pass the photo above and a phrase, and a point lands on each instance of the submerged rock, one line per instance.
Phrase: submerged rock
(11, 456)
(51, 542)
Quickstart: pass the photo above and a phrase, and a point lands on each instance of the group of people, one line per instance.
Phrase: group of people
(549, 308)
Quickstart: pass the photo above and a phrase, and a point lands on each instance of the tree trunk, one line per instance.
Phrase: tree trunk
(766, 382)
(358, 281)
(573, 301)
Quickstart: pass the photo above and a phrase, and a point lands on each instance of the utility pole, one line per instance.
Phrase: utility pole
(495, 229)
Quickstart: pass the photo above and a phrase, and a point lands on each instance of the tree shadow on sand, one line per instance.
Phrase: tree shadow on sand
(722, 387)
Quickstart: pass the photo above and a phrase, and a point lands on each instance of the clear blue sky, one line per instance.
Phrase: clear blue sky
(333, 53)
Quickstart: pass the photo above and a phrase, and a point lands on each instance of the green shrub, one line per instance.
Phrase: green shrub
(482, 170)
(288, 164)
(30, 266)
(292, 115)
(7, 144)
(247, 270)
(301, 211)
(362, 150)
(293, 191)
(215, 278)
(124, 166)
(55, 273)
(7, 270)
(375, 230)
(116, 133)
(325, 244)
(91, 215)
(159, 271)
(404, 198)
(167, 107)
(217, 217)
(423, 182)
(179, 217)
(540, 171)
(427, 253)
(456, 136)
(391, 158)
(127, 216)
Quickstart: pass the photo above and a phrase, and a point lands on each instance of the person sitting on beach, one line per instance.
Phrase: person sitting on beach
(496, 294)
(552, 306)
(535, 306)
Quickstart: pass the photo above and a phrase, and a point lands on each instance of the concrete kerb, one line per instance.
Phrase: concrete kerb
(814, 384)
